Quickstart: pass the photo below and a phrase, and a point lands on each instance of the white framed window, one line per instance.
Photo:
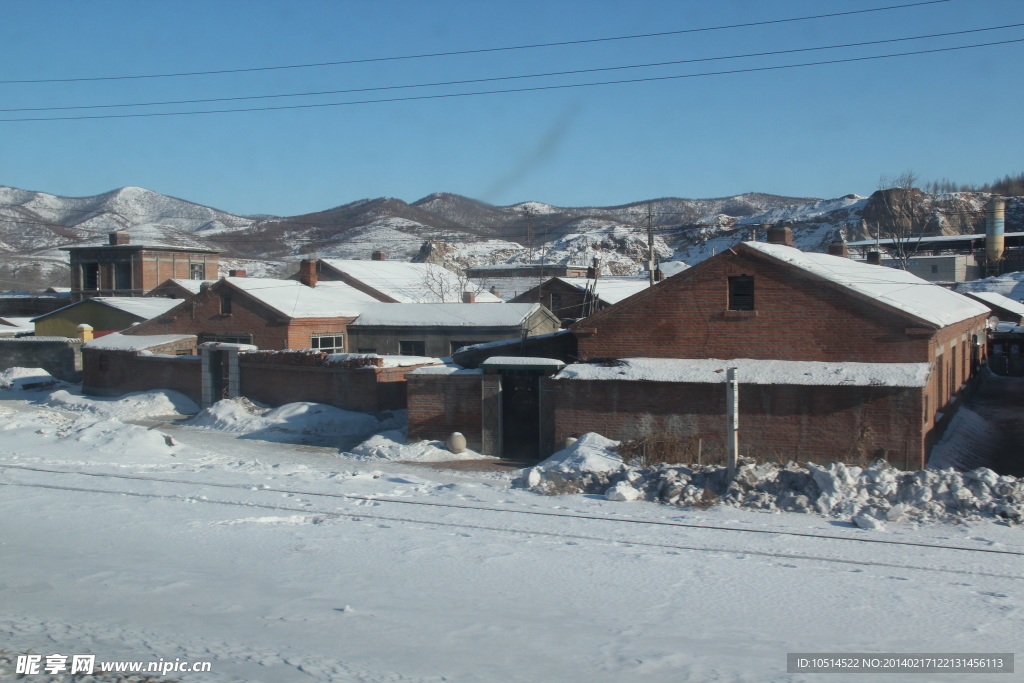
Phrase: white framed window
(328, 342)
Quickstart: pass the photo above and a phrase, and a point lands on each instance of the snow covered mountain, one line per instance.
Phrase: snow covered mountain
(467, 231)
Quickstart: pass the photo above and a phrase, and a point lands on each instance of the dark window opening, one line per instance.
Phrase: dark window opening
(225, 338)
(741, 293)
(935, 269)
(197, 271)
(328, 343)
(225, 304)
(122, 276)
(456, 345)
(412, 348)
(90, 275)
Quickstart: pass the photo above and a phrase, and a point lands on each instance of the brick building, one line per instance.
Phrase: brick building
(121, 268)
(572, 298)
(270, 314)
(837, 359)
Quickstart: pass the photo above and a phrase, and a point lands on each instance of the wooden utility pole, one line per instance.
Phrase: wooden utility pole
(732, 433)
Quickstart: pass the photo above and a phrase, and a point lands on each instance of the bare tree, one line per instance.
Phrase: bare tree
(447, 284)
(900, 216)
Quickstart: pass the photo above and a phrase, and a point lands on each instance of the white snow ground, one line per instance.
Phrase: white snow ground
(284, 563)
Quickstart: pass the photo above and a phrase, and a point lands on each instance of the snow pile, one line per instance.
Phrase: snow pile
(316, 421)
(590, 453)
(114, 436)
(26, 378)
(137, 405)
(869, 497)
(390, 445)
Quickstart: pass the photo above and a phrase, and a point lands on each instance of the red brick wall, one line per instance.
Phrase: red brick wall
(442, 404)
(367, 390)
(112, 373)
(270, 331)
(796, 318)
(805, 423)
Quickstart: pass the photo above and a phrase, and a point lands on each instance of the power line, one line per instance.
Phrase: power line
(411, 98)
(477, 51)
(517, 77)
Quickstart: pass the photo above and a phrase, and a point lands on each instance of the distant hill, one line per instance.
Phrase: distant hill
(34, 224)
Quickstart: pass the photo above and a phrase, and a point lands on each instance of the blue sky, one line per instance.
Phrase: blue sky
(819, 131)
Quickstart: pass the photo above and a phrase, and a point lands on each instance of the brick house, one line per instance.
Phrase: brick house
(837, 359)
(121, 268)
(267, 313)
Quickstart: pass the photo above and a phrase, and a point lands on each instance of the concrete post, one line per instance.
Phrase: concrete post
(732, 410)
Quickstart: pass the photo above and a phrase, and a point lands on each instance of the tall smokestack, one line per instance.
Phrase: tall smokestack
(994, 213)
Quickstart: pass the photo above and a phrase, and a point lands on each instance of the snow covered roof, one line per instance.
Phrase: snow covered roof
(928, 239)
(293, 299)
(445, 315)
(191, 285)
(139, 306)
(753, 371)
(10, 323)
(116, 341)
(999, 300)
(610, 290)
(410, 283)
(891, 286)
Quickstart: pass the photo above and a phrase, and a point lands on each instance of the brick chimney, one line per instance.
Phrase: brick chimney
(659, 275)
(874, 258)
(236, 273)
(780, 234)
(118, 238)
(378, 256)
(468, 298)
(307, 272)
(494, 291)
(594, 271)
(838, 248)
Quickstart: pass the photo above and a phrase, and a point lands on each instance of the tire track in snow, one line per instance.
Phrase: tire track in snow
(530, 532)
(570, 515)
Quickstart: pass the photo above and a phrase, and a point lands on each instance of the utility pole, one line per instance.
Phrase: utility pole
(650, 243)
(732, 410)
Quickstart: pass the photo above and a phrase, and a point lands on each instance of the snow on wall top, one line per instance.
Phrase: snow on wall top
(522, 360)
(134, 342)
(1001, 301)
(752, 371)
(894, 287)
(295, 300)
(610, 290)
(445, 315)
(388, 361)
(411, 283)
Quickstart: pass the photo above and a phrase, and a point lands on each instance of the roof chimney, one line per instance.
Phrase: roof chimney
(118, 238)
(236, 273)
(468, 298)
(378, 256)
(307, 272)
(494, 291)
(594, 271)
(874, 258)
(780, 234)
(838, 248)
(659, 275)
